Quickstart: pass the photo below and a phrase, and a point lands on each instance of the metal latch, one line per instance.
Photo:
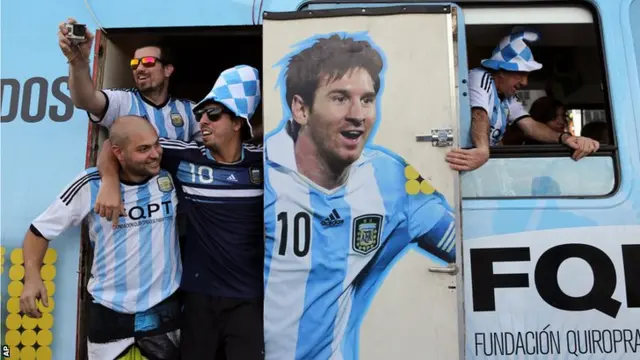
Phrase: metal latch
(438, 137)
(449, 269)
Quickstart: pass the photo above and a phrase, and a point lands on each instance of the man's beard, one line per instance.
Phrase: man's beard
(139, 170)
(150, 88)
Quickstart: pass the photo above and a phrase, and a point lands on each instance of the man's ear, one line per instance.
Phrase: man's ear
(299, 110)
(168, 70)
(237, 123)
(117, 152)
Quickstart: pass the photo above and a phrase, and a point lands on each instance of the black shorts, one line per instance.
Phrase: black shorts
(153, 331)
(221, 328)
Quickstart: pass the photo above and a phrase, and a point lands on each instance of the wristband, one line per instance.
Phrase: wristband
(561, 135)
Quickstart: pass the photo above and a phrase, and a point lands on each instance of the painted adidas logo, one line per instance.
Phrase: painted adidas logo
(333, 219)
(232, 178)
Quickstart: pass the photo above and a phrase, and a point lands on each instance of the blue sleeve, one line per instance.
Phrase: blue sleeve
(432, 224)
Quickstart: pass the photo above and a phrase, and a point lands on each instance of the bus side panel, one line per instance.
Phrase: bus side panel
(528, 262)
(43, 148)
(123, 14)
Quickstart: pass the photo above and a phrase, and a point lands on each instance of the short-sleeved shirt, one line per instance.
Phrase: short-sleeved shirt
(173, 120)
(501, 111)
(325, 250)
(137, 264)
(223, 208)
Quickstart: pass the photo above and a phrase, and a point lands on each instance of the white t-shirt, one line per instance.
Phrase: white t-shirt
(173, 120)
(502, 112)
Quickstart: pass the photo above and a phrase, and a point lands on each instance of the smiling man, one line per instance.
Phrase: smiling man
(136, 267)
(336, 210)
(219, 183)
(494, 105)
(151, 67)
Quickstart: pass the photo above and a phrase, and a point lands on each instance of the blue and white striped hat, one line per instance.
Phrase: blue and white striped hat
(513, 53)
(237, 88)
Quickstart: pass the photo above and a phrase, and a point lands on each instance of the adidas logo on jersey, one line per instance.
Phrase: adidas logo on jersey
(333, 219)
(232, 178)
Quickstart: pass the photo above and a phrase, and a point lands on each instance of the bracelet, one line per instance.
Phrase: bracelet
(561, 135)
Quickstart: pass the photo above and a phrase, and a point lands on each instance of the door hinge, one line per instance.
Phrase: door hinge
(438, 137)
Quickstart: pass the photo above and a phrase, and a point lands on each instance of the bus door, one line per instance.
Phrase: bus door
(361, 210)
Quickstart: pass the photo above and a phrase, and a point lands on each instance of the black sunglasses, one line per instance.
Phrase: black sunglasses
(213, 113)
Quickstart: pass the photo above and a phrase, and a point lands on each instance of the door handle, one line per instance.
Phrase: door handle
(438, 137)
(451, 269)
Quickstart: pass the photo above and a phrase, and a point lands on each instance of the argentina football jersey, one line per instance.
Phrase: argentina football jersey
(322, 246)
(173, 119)
(137, 264)
(221, 203)
(501, 111)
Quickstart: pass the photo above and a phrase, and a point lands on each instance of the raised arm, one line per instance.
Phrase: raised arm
(83, 94)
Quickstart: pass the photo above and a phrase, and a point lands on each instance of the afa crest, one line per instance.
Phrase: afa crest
(366, 233)
(165, 184)
(255, 175)
(177, 120)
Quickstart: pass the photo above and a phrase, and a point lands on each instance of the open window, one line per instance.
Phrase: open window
(570, 49)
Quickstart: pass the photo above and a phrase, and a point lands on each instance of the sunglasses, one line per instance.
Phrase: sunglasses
(147, 61)
(213, 114)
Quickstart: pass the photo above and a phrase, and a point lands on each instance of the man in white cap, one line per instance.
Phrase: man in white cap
(494, 105)
(220, 189)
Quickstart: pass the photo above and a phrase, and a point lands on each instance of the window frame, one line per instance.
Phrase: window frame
(553, 150)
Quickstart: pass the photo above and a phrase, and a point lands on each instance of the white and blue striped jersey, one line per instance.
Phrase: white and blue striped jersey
(326, 249)
(501, 111)
(173, 120)
(137, 264)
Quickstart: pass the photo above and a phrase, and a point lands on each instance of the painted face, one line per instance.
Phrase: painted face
(343, 114)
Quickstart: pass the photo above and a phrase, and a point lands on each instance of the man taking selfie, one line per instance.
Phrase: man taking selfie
(151, 68)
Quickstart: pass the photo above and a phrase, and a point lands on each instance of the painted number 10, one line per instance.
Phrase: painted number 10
(301, 233)
(204, 173)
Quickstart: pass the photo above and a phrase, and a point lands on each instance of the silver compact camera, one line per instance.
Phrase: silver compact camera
(76, 32)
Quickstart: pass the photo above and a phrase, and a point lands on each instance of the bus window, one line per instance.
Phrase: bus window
(573, 73)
